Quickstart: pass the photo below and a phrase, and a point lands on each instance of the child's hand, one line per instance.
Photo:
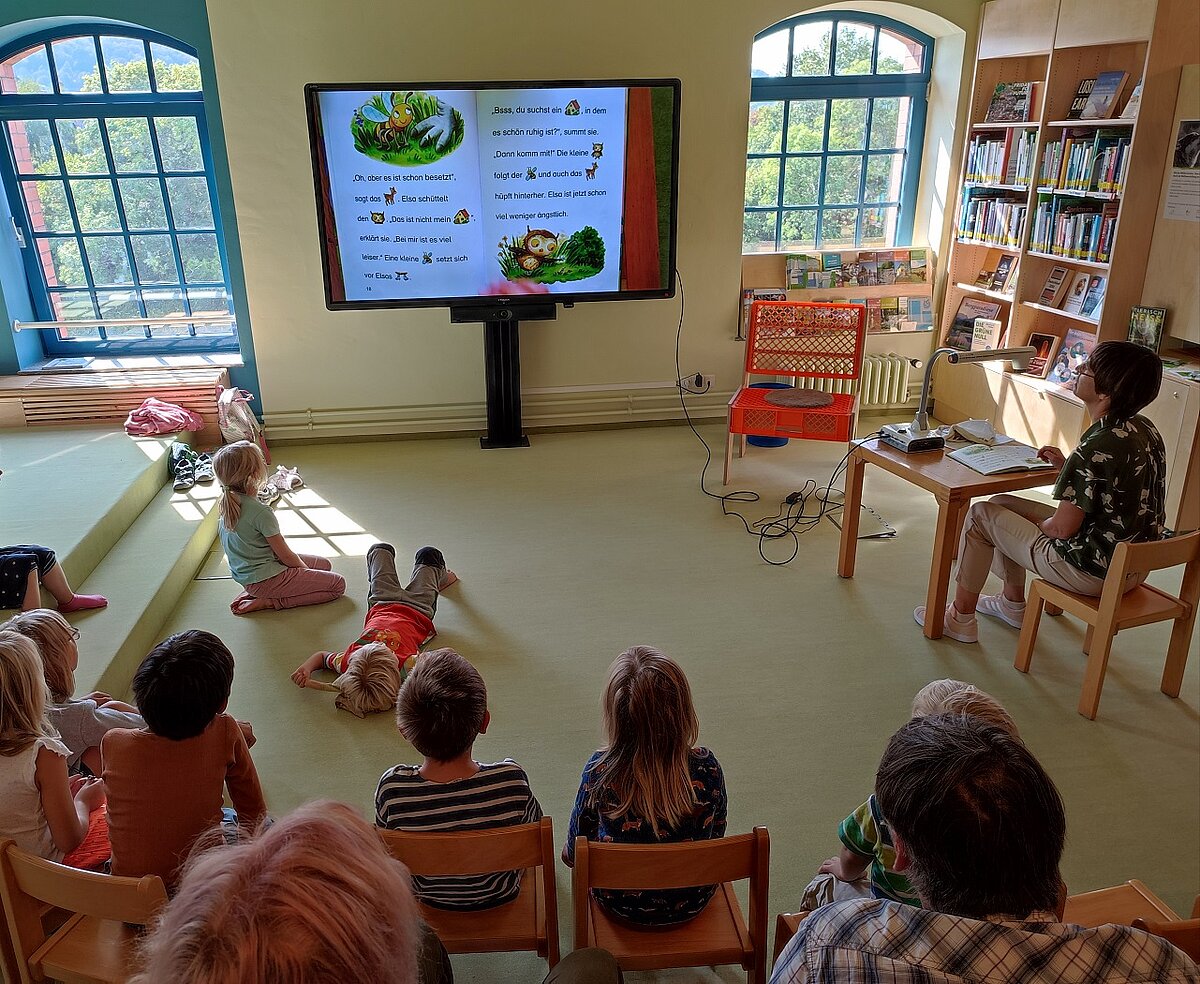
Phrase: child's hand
(247, 732)
(305, 669)
(300, 676)
(99, 696)
(77, 783)
(91, 794)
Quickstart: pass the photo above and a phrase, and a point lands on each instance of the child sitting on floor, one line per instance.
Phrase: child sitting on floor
(399, 621)
(41, 808)
(271, 574)
(866, 840)
(650, 784)
(165, 781)
(442, 709)
(80, 723)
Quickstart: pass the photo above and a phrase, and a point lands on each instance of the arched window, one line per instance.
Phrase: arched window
(837, 122)
(109, 179)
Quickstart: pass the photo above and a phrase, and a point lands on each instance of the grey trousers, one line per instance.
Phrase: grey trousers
(420, 593)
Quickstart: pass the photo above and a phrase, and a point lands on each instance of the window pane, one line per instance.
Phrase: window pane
(33, 146)
(120, 304)
(889, 123)
(75, 62)
(810, 48)
(95, 205)
(898, 54)
(842, 175)
(155, 261)
(854, 44)
(174, 71)
(131, 146)
(164, 303)
(74, 305)
(190, 206)
(801, 181)
(82, 148)
(142, 198)
(766, 128)
(758, 232)
(799, 230)
(107, 259)
(884, 172)
(46, 202)
(762, 181)
(847, 124)
(201, 260)
(838, 226)
(806, 126)
(879, 226)
(66, 265)
(125, 65)
(768, 57)
(211, 299)
(179, 143)
(26, 73)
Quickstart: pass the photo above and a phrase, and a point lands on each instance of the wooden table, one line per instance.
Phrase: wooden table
(953, 485)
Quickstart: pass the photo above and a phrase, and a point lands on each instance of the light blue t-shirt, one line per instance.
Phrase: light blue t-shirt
(250, 557)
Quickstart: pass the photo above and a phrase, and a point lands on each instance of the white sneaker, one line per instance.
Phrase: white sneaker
(961, 628)
(997, 606)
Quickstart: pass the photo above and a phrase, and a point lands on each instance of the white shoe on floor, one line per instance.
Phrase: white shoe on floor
(997, 606)
(961, 628)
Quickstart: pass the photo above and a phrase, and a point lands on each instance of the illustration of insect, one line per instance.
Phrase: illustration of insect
(427, 258)
(597, 150)
(535, 249)
(530, 173)
(377, 218)
(401, 274)
(390, 127)
(389, 196)
(591, 171)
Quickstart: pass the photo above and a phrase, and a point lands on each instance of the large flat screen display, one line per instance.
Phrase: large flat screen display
(456, 193)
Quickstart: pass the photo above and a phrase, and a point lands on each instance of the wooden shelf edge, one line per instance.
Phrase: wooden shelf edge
(995, 295)
(1061, 313)
(1094, 264)
(1119, 121)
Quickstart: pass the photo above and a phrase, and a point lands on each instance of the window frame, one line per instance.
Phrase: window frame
(789, 88)
(51, 106)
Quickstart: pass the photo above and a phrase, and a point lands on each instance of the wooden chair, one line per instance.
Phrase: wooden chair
(786, 926)
(1181, 933)
(95, 944)
(718, 935)
(528, 922)
(1114, 611)
(803, 341)
(1120, 904)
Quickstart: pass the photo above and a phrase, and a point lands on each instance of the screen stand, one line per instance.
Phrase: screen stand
(502, 367)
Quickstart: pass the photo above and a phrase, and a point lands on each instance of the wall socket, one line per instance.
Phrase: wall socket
(708, 381)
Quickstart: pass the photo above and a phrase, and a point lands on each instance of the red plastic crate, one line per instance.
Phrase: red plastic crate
(750, 413)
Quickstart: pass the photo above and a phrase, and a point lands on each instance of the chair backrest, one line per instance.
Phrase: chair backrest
(805, 340)
(1154, 555)
(474, 852)
(1181, 933)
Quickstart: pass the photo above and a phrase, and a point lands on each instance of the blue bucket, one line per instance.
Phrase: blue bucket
(768, 442)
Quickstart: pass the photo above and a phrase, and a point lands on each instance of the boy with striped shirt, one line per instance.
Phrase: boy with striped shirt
(441, 710)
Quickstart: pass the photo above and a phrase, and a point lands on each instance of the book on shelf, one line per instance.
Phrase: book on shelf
(962, 329)
(987, 269)
(998, 459)
(1134, 102)
(1073, 302)
(919, 315)
(1005, 273)
(1076, 346)
(752, 294)
(1081, 98)
(987, 334)
(886, 260)
(1011, 102)
(868, 269)
(1078, 228)
(1093, 300)
(919, 267)
(1056, 284)
(1146, 326)
(1046, 345)
(874, 314)
(1086, 160)
(1102, 100)
(992, 216)
(891, 314)
(1004, 159)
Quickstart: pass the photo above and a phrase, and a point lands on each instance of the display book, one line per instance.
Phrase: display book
(961, 333)
(1077, 292)
(1012, 102)
(846, 269)
(998, 272)
(1076, 347)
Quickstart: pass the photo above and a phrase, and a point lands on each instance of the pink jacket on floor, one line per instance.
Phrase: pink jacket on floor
(156, 417)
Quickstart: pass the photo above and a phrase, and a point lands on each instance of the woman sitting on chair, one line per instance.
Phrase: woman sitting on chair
(1112, 487)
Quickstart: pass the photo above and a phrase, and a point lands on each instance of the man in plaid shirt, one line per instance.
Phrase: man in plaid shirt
(978, 829)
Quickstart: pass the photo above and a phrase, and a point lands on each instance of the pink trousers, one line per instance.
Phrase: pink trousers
(297, 587)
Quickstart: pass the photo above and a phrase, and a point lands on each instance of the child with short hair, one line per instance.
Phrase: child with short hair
(866, 840)
(399, 621)
(441, 710)
(80, 723)
(650, 784)
(165, 781)
(41, 808)
(271, 573)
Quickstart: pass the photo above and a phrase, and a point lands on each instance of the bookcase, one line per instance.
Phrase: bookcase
(1057, 44)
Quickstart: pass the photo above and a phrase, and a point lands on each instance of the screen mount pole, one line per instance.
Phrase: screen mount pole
(502, 369)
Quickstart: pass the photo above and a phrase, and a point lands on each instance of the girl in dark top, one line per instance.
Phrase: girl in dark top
(649, 784)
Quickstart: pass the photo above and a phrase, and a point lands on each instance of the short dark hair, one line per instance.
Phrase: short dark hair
(1128, 374)
(441, 705)
(982, 821)
(184, 683)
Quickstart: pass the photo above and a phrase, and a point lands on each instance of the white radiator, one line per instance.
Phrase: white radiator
(884, 382)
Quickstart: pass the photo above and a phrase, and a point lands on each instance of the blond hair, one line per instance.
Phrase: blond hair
(241, 469)
(23, 694)
(957, 697)
(652, 727)
(371, 681)
(313, 898)
(54, 638)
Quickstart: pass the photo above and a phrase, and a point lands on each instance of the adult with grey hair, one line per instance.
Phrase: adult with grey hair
(978, 829)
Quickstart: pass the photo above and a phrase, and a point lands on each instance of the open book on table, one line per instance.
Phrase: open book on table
(1000, 458)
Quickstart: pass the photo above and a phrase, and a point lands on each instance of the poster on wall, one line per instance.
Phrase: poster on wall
(1183, 186)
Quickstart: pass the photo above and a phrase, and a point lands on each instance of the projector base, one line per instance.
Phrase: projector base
(902, 436)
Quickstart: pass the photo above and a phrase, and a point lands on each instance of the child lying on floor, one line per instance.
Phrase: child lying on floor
(399, 621)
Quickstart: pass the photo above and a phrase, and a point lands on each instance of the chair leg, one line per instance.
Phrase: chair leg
(1053, 610)
(1029, 629)
(1177, 654)
(728, 449)
(1087, 639)
(741, 445)
(1097, 665)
